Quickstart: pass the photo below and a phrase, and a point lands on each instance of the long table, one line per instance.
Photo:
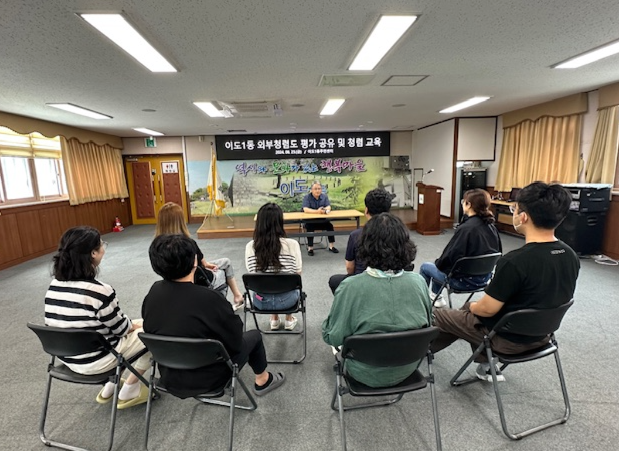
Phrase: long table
(334, 215)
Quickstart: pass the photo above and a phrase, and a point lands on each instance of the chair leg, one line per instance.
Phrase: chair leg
(340, 405)
(437, 428)
(455, 382)
(232, 400)
(149, 405)
(44, 412)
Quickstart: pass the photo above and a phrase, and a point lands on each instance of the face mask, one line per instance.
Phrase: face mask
(514, 223)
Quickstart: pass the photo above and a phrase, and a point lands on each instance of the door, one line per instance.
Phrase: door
(154, 181)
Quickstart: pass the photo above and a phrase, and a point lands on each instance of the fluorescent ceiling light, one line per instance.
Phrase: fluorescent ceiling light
(79, 110)
(467, 103)
(148, 131)
(590, 57)
(119, 31)
(384, 36)
(332, 106)
(209, 109)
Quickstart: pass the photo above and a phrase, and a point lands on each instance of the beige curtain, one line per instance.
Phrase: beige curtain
(547, 149)
(603, 159)
(93, 172)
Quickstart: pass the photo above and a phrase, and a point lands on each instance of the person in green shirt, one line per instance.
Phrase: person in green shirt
(384, 298)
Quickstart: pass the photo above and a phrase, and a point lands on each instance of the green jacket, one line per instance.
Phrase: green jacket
(365, 304)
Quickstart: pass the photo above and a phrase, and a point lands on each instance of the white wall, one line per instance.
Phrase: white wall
(433, 148)
(165, 145)
(476, 137)
(493, 168)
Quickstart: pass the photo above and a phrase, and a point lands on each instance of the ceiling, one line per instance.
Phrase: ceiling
(277, 50)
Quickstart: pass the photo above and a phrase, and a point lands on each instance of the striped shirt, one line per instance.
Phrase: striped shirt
(289, 257)
(89, 305)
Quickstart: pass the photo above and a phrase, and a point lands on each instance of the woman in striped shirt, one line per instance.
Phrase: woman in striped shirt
(76, 300)
(271, 251)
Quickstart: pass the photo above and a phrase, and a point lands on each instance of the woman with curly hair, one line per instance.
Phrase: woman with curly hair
(383, 298)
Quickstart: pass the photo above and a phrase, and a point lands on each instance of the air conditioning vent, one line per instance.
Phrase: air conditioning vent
(251, 109)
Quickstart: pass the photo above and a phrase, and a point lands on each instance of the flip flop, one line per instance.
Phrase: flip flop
(278, 379)
(140, 399)
(101, 400)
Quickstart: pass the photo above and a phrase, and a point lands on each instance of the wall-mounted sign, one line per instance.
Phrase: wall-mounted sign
(169, 167)
(150, 142)
(303, 145)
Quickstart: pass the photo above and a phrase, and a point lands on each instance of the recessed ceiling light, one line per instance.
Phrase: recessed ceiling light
(79, 110)
(332, 106)
(209, 109)
(590, 56)
(382, 38)
(462, 105)
(148, 131)
(121, 32)
(297, 105)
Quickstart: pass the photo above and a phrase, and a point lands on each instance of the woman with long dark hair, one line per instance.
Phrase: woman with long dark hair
(271, 251)
(476, 235)
(77, 300)
(383, 298)
(171, 221)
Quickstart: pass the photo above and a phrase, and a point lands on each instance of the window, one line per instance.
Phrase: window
(30, 168)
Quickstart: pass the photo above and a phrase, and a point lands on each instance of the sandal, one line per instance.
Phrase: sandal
(101, 400)
(139, 399)
(278, 379)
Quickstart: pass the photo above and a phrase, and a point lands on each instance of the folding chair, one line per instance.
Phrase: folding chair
(479, 265)
(385, 350)
(59, 342)
(275, 283)
(188, 354)
(303, 240)
(528, 322)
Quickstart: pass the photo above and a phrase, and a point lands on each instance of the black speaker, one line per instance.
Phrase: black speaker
(583, 232)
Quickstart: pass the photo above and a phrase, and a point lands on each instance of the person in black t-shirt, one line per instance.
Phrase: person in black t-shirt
(176, 307)
(540, 275)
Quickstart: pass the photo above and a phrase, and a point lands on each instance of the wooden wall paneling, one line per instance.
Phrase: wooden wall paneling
(29, 226)
(610, 243)
(10, 247)
(67, 218)
(51, 228)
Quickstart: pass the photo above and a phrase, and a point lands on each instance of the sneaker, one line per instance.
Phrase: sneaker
(275, 323)
(483, 373)
(290, 325)
(439, 302)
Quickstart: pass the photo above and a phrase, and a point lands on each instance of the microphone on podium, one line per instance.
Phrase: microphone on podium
(430, 171)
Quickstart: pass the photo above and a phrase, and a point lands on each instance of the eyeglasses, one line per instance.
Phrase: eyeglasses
(512, 209)
(104, 244)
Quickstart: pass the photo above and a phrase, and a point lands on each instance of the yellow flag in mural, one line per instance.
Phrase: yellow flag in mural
(213, 186)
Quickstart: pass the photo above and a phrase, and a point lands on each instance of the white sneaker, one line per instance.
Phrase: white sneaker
(275, 323)
(440, 302)
(483, 373)
(290, 325)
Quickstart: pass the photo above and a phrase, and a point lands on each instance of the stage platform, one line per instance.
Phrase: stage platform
(243, 226)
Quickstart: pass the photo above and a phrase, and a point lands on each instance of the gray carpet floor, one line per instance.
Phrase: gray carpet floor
(298, 416)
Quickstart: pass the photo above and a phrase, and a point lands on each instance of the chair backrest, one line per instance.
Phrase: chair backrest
(533, 322)
(184, 353)
(272, 283)
(389, 348)
(61, 342)
(479, 265)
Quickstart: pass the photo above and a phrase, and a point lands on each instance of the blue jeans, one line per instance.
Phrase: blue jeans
(430, 271)
(280, 301)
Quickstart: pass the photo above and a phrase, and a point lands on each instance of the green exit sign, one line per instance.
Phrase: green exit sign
(150, 142)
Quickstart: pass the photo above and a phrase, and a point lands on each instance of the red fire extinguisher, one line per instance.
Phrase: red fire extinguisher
(118, 227)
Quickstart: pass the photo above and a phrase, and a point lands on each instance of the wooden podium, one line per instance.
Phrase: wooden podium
(428, 209)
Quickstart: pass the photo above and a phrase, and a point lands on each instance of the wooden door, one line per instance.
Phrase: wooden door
(153, 181)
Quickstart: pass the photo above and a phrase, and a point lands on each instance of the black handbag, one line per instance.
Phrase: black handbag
(203, 277)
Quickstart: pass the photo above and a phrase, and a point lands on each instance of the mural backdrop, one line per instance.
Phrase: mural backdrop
(248, 184)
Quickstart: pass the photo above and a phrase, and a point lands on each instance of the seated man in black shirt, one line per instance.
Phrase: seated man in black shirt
(540, 275)
(176, 307)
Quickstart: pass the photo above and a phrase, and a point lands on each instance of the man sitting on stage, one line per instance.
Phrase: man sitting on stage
(317, 203)
(376, 201)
